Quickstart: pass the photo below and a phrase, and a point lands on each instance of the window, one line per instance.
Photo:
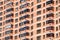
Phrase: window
(56, 21)
(0, 24)
(1, 3)
(15, 37)
(39, 25)
(31, 27)
(38, 12)
(38, 37)
(0, 13)
(38, 6)
(16, 3)
(56, 8)
(43, 29)
(0, 29)
(16, 25)
(44, 17)
(31, 15)
(16, 9)
(16, 20)
(43, 23)
(31, 33)
(56, 28)
(16, 14)
(59, 27)
(43, 4)
(32, 10)
(56, 35)
(31, 38)
(16, 31)
(32, 21)
(32, 4)
(38, 31)
(43, 10)
(0, 18)
(38, 1)
(38, 18)
(43, 36)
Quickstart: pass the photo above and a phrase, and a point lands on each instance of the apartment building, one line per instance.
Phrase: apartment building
(29, 19)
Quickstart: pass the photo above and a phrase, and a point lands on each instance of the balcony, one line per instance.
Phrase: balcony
(49, 2)
(50, 8)
(24, 11)
(8, 32)
(8, 5)
(50, 35)
(6, 1)
(50, 21)
(50, 28)
(24, 28)
(8, 21)
(24, 17)
(9, 15)
(9, 10)
(21, 1)
(50, 15)
(8, 26)
(24, 34)
(26, 39)
(24, 22)
(8, 37)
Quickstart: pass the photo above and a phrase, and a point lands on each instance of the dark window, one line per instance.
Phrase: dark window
(38, 12)
(38, 6)
(39, 25)
(0, 24)
(38, 18)
(0, 18)
(38, 1)
(0, 13)
(31, 33)
(38, 31)
(31, 27)
(38, 37)
(32, 10)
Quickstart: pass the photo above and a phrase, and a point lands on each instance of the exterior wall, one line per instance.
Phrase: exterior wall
(20, 22)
